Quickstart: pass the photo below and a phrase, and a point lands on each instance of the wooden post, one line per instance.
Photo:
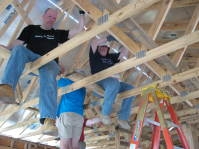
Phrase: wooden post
(117, 139)
(191, 135)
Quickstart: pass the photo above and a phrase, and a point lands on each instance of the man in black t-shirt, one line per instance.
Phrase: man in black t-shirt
(33, 42)
(100, 59)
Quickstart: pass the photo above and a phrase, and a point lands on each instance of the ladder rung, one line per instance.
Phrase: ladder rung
(176, 147)
(150, 121)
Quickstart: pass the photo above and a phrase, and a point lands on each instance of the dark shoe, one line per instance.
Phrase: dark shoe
(49, 127)
(7, 94)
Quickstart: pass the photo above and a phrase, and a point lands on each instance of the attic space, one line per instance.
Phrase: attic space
(162, 41)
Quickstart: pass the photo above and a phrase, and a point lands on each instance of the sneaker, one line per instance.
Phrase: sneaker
(124, 124)
(7, 94)
(49, 127)
(105, 119)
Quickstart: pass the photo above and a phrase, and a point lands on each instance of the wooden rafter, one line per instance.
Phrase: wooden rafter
(174, 79)
(18, 27)
(180, 3)
(21, 11)
(11, 20)
(160, 18)
(5, 53)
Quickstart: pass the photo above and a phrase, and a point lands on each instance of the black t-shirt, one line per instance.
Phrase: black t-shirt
(42, 41)
(99, 63)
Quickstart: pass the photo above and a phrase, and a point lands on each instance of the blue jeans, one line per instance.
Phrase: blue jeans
(47, 73)
(111, 88)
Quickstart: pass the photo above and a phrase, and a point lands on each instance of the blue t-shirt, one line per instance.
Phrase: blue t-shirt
(73, 101)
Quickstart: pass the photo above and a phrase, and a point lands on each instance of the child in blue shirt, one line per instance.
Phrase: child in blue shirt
(70, 116)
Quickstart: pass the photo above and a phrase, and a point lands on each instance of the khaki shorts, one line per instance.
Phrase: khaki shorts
(69, 125)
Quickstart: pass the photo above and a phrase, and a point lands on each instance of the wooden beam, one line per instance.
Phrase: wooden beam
(14, 108)
(4, 147)
(179, 99)
(11, 20)
(34, 133)
(118, 16)
(97, 138)
(160, 18)
(8, 115)
(20, 24)
(174, 79)
(30, 87)
(48, 139)
(19, 92)
(1, 62)
(190, 119)
(21, 11)
(184, 3)
(5, 143)
(30, 116)
(176, 59)
(180, 113)
(173, 26)
(191, 135)
(117, 139)
(179, 4)
(150, 44)
(5, 53)
(167, 26)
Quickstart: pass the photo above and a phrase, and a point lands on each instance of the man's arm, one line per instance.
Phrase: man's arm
(95, 42)
(123, 54)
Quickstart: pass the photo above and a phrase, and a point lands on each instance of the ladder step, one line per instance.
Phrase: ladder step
(150, 121)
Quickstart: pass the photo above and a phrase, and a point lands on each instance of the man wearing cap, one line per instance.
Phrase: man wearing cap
(100, 59)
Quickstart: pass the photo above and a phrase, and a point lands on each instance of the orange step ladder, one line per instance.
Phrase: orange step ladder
(161, 101)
